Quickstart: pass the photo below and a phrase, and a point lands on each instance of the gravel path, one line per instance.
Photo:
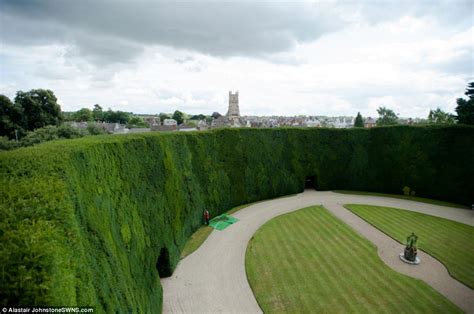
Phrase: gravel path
(213, 278)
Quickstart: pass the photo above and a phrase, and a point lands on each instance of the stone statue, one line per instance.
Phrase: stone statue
(410, 250)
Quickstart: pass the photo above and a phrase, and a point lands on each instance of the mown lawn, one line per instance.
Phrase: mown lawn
(309, 261)
(452, 243)
(195, 240)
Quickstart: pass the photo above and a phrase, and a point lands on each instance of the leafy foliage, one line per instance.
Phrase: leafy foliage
(216, 115)
(98, 113)
(470, 90)
(7, 144)
(465, 108)
(11, 116)
(94, 129)
(116, 116)
(137, 122)
(84, 114)
(359, 122)
(39, 108)
(164, 116)
(438, 116)
(198, 117)
(30, 110)
(50, 133)
(178, 116)
(386, 116)
(465, 111)
(83, 222)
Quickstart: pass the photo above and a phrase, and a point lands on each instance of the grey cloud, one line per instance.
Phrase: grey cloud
(116, 31)
(462, 64)
(452, 12)
(99, 49)
(107, 32)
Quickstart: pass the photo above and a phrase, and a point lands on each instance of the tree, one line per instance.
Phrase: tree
(198, 117)
(97, 113)
(68, 116)
(178, 116)
(216, 115)
(50, 133)
(40, 108)
(386, 116)
(94, 129)
(116, 116)
(10, 118)
(438, 116)
(470, 90)
(465, 108)
(359, 122)
(137, 122)
(85, 114)
(164, 116)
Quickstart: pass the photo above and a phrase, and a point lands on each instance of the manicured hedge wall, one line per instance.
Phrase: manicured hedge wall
(83, 222)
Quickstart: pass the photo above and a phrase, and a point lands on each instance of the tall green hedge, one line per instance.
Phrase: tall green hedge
(83, 222)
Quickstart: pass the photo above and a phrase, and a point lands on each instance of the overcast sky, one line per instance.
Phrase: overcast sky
(314, 58)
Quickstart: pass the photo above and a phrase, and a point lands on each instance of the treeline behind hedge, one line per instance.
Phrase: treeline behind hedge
(83, 222)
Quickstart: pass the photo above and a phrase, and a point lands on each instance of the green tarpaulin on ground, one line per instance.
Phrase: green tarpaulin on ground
(221, 222)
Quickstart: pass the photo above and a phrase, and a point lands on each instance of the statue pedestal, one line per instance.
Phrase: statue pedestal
(415, 262)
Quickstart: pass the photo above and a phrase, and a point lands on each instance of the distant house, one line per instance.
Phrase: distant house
(224, 121)
(202, 125)
(169, 122)
(167, 126)
(369, 122)
(310, 123)
(219, 122)
(152, 120)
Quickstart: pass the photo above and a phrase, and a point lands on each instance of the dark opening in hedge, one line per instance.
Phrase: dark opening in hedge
(310, 183)
(163, 264)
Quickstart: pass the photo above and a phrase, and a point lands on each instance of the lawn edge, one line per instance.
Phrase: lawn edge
(404, 197)
(376, 227)
(229, 212)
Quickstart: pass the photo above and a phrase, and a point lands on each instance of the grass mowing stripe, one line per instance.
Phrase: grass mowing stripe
(285, 263)
(309, 261)
(319, 264)
(391, 287)
(331, 265)
(338, 245)
(336, 271)
(448, 241)
(366, 266)
(369, 268)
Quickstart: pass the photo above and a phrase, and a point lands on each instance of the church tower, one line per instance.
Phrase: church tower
(234, 112)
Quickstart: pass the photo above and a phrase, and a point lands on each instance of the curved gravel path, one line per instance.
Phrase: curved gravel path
(213, 278)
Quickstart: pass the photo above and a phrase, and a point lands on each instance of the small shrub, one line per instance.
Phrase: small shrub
(406, 190)
(6, 144)
(94, 129)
